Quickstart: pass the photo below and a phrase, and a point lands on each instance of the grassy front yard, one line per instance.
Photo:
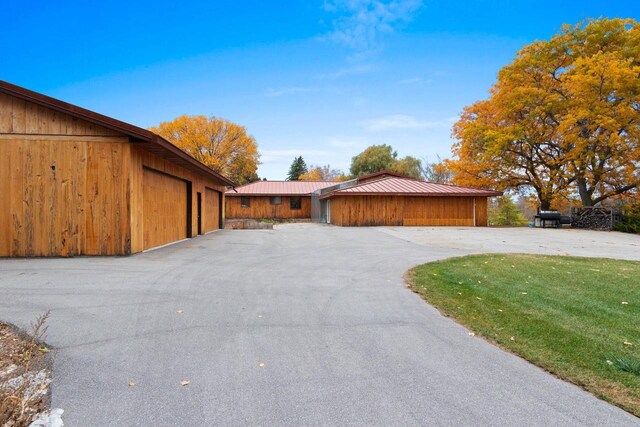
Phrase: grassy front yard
(578, 318)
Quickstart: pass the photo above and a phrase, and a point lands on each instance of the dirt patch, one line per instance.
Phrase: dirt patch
(25, 374)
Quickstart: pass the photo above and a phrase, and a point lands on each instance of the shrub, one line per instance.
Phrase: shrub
(628, 224)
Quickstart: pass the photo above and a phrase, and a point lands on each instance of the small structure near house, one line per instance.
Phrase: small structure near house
(75, 182)
(547, 219)
(386, 198)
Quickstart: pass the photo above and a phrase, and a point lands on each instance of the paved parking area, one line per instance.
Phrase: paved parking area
(301, 325)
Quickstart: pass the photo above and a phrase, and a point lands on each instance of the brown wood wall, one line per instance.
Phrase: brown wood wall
(211, 210)
(399, 210)
(164, 201)
(143, 160)
(69, 187)
(261, 207)
(481, 211)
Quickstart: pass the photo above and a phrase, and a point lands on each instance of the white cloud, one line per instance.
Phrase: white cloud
(360, 22)
(403, 122)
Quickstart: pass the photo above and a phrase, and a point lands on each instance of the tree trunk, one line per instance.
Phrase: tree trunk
(585, 197)
(545, 204)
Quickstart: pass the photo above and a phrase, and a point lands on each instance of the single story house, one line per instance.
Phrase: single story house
(75, 182)
(273, 199)
(381, 198)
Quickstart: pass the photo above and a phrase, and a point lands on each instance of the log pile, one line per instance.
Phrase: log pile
(594, 218)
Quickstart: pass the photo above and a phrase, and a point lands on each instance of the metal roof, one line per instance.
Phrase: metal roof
(147, 139)
(279, 188)
(403, 186)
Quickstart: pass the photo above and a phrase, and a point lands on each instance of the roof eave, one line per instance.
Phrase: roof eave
(137, 134)
(369, 193)
(233, 193)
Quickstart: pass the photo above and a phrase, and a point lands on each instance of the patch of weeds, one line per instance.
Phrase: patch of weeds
(624, 364)
(24, 373)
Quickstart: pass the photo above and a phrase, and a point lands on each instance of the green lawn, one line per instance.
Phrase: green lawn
(578, 318)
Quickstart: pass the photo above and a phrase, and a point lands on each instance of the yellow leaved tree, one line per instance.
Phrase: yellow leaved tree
(218, 143)
(562, 119)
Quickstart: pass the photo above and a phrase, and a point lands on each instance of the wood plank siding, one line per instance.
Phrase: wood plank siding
(164, 201)
(70, 187)
(212, 210)
(403, 210)
(261, 207)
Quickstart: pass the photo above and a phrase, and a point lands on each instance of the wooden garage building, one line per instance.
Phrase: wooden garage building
(386, 198)
(75, 182)
(273, 199)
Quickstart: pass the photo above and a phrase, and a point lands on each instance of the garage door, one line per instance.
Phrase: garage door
(211, 210)
(439, 211)
(164, 201)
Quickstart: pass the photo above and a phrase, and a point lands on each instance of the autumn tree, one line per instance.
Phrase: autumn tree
(220, 144)
(437, 171)
(383, 157)
(322, 173)
(298, 167)
(563, 118)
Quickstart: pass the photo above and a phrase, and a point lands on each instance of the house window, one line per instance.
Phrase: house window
(245, 201)
(276, 200)
(296, 203)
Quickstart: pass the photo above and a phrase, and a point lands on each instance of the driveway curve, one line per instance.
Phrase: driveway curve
(301, 325)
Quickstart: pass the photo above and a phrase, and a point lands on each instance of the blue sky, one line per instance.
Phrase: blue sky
(321, 79)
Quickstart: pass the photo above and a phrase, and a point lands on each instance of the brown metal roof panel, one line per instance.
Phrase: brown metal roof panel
(409, 186)
(277, 188)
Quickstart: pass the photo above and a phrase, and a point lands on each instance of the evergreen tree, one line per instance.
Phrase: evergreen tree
(298, 167)
(506, 213)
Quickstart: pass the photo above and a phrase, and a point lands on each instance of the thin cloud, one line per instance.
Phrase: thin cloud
(403, 122)
(360, 22)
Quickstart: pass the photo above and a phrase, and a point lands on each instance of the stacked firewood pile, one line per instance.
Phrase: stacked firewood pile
(594, 218)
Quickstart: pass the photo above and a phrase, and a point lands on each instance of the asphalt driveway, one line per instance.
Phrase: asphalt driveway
(302, 325)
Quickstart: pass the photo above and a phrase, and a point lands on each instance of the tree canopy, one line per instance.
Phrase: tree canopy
(383, 157)
(298, 167)
(563, 118)
(220, 144)
(322, 173)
